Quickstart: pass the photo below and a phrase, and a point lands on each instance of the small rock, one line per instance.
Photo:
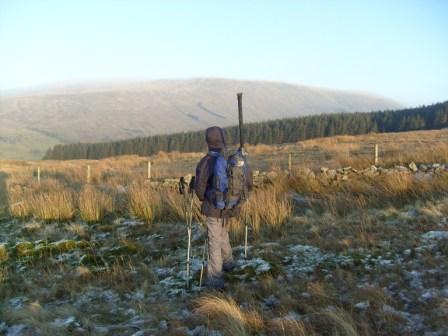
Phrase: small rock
(401, 168)
(64, 322)
(413, 167)
(423, 167)
(139, 333)
(163, 325)
(429, 294)
(363, 305)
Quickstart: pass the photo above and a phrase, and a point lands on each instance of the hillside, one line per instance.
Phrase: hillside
(106, 112)
(269, 132)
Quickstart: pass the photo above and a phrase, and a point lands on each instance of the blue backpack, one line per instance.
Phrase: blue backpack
(229, 186)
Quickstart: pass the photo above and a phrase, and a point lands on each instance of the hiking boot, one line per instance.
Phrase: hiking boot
(215, 283)
(229, 266)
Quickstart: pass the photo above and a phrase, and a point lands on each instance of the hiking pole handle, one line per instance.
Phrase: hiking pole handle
(240, 117)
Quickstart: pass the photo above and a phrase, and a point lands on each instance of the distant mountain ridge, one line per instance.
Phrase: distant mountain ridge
(107, 112)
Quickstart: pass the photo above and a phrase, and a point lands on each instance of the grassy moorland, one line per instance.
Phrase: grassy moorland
(356, 251)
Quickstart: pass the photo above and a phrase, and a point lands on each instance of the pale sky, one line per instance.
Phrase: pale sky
(398, 49)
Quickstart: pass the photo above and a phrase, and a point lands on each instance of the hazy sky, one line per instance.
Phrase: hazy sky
(398, 49)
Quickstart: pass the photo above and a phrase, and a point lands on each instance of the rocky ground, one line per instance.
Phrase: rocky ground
(386, 267)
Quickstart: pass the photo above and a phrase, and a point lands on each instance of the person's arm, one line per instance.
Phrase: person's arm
(200, 183)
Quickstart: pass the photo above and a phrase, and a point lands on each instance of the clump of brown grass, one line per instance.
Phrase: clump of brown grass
(267, 208)
(341, 321)
(19, 209)
(94, 204)
(287, 326)
(334, 321)
(54, 205)
(144, 203)
(175, 206)
(225, 314)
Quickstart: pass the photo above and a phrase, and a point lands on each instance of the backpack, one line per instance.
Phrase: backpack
(229, 185)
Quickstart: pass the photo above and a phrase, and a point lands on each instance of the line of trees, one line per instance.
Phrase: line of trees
(270, 132)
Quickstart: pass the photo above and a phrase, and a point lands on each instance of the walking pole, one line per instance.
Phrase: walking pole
(203, 262)
(188, 210)
(186, 195)
(245, 242)
(189, 225)
(241, 134)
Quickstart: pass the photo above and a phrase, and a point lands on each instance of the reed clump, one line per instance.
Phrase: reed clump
(54, 205)
(94, 204)
(225, 314)
(267, 208)
(144, 203)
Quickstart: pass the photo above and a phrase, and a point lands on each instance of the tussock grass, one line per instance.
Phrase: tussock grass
(225, 314)
(267, 208)
(287, 326)
(144, 203)
(175, 206)
(339, 322)
(53, 206)
(94, 204)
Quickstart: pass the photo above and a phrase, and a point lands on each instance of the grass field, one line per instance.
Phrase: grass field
(361, 255)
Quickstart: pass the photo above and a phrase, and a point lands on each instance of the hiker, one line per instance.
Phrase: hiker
(213, 206)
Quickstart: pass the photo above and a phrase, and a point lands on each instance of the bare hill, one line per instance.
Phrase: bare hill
(103, 112)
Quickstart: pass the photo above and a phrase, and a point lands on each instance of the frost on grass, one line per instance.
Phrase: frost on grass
(435, 235)
(250, 269)
(304, 259)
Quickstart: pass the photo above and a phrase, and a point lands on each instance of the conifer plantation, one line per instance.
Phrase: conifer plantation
(271, 132)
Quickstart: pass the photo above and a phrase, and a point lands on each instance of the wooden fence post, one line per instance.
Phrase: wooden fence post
(38, 175)
(88, 173)
(289, 162)
(149, 170)
(376, 154)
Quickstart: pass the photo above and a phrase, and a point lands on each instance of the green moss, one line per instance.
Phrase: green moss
(3, 253)
(23, 248)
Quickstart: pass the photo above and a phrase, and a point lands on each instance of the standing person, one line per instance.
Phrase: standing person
(220, 251)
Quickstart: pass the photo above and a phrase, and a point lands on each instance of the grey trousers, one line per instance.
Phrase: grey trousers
(219, 250)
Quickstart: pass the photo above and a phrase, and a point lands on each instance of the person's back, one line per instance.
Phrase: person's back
(220, 251)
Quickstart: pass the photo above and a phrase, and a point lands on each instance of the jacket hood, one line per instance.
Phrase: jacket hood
(215, 138)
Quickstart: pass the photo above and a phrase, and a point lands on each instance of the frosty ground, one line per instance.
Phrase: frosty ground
(384, 271)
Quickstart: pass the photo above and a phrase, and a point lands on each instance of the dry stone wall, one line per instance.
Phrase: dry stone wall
(421, 171)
